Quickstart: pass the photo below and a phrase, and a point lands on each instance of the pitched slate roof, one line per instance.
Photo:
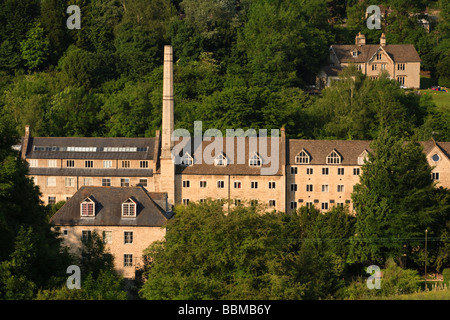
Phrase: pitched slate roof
(318, 150)
(86, 142)
(108, 208)
(349, 150)
(238, 157)
(397, 52)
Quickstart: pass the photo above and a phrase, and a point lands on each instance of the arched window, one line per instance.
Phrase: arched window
(302, 157)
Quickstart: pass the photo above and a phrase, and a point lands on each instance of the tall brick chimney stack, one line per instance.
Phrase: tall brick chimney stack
(167, 176)
(167, 106)
(383, 40)
(360, 39)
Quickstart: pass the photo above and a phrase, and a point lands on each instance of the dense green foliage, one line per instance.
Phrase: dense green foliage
(239, 64)
(246, 254)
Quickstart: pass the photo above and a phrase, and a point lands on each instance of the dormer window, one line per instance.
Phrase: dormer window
(362, 157)
(87, 208)
(255, 161)
(220, 160)
(187, 160)
(302, 157)
(333, 158)
(129, 209)
(355, 53)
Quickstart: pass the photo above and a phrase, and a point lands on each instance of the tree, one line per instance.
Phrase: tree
(284, 42)
(35, 48)
(356, 107)
(392, 200)
(31, 256)
(208, 254)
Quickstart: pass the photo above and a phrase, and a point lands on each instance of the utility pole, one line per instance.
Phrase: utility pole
(426, 233)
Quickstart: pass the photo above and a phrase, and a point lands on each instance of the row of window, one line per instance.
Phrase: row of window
(53, 163)
(323, 205)
(107, 238)
(91, 149)
(237, 202)
(106, 182)
(293, 204)
(221, 184)
(326, 171)
(128, 236)
(221, 160)
(310, 187)
(87, 208)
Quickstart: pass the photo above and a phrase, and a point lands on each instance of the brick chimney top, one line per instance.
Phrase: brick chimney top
(360, 39)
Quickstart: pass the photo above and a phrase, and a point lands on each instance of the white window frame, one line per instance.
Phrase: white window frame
(87, 208)
(203, 183)
(220, 184)
(187, 160)
(255, 161)
(33, 163)
(221, 160)
(107, 237)
(129, 208)
(107, 163)
(52, 163)
(124, 182)
(334, 158)
(302, 157)
(106, 182)
(237, 185)
(128, 237)
(143, 182)
(69, 182)
(127, 260)
(51, 181)
(272, 185)
(254, 185)
(186, 183)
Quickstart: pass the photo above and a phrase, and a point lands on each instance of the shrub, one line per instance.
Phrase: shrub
(446, 275)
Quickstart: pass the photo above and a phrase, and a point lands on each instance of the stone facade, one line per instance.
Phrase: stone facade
(400, 61)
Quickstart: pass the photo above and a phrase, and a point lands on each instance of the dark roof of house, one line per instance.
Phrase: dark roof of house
(349, 150)
(108, 208)
(318, 150)
(238, 154)
(61, 143)
(397, 52)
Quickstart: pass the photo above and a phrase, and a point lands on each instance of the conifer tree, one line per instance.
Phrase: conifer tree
(392, 200)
